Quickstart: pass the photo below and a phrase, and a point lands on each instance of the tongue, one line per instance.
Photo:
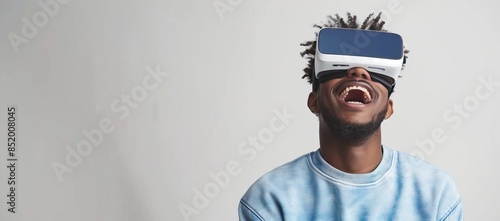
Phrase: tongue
(356, 96)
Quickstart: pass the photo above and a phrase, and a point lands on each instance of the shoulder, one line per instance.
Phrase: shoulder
(270, 194)
(412, 166)
(430, 183)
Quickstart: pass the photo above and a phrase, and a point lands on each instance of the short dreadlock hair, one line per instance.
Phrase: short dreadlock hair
(370, 23)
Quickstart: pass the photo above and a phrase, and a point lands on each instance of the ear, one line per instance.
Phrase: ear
(312, 103)
(390, 110)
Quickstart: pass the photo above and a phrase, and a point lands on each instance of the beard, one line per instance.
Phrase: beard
(355, 131)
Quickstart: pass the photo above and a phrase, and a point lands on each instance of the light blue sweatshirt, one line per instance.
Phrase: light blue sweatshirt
(402, 187)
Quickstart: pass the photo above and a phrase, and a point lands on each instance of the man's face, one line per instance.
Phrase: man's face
(352, 106)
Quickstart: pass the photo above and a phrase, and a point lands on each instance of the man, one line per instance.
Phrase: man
(352, 176)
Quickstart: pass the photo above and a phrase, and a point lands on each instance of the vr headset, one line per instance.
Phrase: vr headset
(338, 50)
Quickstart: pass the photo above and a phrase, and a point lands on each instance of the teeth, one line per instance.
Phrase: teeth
(354, 102)
(344, 93)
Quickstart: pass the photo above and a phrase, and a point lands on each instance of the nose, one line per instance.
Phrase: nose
(358, 72)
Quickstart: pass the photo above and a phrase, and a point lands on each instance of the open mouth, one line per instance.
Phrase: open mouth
(356, 94)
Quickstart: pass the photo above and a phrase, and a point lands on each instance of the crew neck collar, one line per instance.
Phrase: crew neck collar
(336, 175)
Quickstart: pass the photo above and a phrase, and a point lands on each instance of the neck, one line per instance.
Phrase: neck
(351, 156)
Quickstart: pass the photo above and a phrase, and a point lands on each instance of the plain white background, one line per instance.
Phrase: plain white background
(228, 74)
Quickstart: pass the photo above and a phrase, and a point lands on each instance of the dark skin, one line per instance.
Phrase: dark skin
(360, 155)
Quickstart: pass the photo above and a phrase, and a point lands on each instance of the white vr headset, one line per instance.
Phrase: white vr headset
(380, 53)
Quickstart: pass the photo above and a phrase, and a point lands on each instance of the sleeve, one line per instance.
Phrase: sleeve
(455, 213)
(451, 202)
(246, 213)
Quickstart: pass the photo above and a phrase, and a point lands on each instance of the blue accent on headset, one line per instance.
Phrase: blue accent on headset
(363, 43)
